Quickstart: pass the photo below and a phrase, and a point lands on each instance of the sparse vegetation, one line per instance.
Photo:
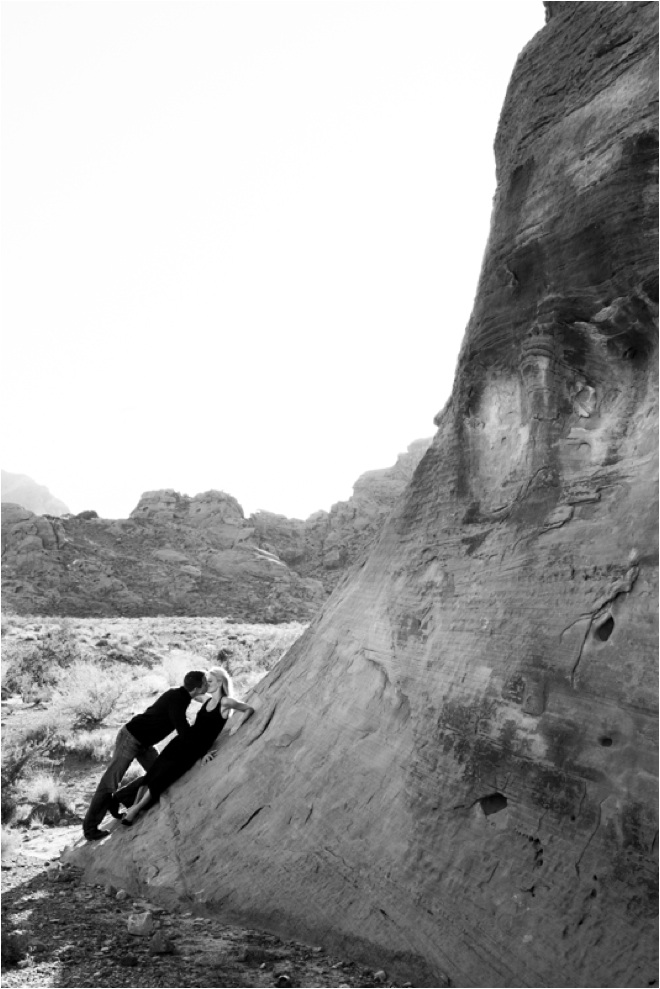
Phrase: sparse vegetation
(21, 752)
(96, 745)
(43, 788)
(88, 693)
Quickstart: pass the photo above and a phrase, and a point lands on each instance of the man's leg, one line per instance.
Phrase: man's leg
(147, 757)
(126, 748)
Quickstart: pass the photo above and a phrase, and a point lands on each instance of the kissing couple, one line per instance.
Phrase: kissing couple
(137, 738)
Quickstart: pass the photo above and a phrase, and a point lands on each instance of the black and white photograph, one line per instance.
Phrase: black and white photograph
(329, 493)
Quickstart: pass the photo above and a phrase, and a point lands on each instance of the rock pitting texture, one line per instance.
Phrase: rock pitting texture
(194, 556)
(453, 772)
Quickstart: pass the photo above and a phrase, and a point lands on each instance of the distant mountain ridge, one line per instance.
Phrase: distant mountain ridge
(178, 555)
(19, 489)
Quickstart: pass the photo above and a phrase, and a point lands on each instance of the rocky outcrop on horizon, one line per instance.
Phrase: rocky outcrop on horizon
(454, 770)
(178, 555)
(326, 543)
(19, 489)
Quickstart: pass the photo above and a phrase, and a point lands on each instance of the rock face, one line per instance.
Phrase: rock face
(453, 772)
(194, 556)
(19, 489)
(326, 543)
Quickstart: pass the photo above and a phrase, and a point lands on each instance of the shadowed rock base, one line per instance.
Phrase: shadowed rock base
(454, 770)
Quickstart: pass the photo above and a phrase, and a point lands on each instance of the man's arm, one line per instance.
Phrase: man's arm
(178, 709)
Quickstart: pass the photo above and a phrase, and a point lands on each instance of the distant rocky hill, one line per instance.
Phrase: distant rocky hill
(178, 555)
(22, 490)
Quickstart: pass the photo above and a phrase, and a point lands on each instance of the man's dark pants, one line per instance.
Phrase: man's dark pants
(127, 748)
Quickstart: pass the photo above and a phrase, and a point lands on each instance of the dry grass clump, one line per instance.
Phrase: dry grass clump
(43, 788)
(96, 745)
(22, 752)
(42, 800)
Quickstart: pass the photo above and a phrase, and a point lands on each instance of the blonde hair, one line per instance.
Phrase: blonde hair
(221, 674)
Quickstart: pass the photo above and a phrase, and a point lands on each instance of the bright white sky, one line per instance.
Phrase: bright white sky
(241, 239)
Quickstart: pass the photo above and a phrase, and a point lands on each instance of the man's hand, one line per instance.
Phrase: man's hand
(209, 757)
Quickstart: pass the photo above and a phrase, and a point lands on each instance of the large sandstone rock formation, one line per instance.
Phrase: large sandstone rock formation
(19, 489)
(453, 772)
(194, 556)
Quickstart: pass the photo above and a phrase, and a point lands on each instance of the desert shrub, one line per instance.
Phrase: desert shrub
(22, 751)
(21, 664)
(88, 694)
(33, 665)
(43, 800)
(96, 745)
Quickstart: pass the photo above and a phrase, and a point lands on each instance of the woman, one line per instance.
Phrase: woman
(182, 753)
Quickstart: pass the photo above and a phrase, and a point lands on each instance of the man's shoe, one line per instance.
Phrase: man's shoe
(113, 808)
(96, 835)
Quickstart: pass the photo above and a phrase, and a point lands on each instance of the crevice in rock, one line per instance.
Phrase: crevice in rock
(591, 836)
(182, 870)
(484, 882)
(579, 655)
(268, 721)
(252, 817)
(622, 586)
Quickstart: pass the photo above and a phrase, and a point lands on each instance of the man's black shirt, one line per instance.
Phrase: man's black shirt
(160, 720)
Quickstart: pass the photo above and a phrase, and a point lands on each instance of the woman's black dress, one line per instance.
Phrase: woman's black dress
(182, 753)
(178, 756)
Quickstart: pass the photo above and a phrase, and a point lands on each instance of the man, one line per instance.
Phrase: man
(136, 740)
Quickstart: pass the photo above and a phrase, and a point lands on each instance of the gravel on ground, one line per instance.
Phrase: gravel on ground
(60, 932)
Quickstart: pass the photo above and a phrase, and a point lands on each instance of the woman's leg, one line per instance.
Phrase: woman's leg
(139, 805)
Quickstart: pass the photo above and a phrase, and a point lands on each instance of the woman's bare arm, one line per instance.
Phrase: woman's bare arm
(230, 702)
(237, 705)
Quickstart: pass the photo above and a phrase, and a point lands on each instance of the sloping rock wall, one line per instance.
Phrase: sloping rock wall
(454, 771)
(177, 555)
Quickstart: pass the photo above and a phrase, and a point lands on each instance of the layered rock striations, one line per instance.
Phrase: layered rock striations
(177, 555)
(454, 771)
